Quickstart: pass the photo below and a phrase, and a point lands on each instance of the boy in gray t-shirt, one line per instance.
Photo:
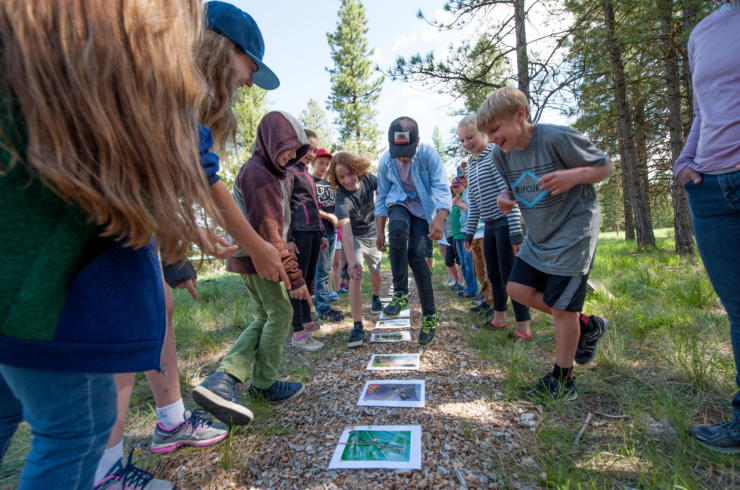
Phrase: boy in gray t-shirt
(550, 171)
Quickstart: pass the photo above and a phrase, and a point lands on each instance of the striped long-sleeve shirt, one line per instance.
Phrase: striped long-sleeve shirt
(485, 184)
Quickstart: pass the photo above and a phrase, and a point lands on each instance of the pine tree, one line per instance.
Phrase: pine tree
(313, 117)
(353, 92)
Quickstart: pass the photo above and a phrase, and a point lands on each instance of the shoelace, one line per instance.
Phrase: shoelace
(134, 477)
(198, 418)
(428, 323)
(398, 300)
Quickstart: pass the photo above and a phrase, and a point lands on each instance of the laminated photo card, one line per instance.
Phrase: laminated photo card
(393, 393)
(394, 323)
(393, 447)
(401, 336)
(380, 362)
(403, 314)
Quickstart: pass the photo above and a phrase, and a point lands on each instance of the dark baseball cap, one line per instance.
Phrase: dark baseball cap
(403, 136)
(241, 29)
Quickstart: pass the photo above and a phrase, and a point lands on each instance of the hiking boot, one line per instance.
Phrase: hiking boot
(356, 336)
(196, 430)
(332, 315)
(588, 343)
(428, 328)
(306, 342)
(549, 388)
(279, 391)
(398, 303)
(130, 477)
(723, 437)
(457, 287)
(217, 394)
(376, 306)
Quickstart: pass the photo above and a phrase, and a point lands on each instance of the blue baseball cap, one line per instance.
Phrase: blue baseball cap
(241, 29)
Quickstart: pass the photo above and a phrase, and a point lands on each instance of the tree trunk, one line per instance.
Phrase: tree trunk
(522, 59)
(638, 193)
(682, 227)
(629, 224)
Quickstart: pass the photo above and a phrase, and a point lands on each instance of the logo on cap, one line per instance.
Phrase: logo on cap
(401, 138)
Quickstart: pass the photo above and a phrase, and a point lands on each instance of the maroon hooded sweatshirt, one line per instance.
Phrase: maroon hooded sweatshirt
(259, 190)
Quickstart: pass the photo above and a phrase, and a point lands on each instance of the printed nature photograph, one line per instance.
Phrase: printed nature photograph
(394, 323)
(401, 336)
(394, 361)
(393, 393)
(390, 447)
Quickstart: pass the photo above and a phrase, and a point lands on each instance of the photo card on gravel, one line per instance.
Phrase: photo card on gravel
(393, 323)
(381, 362)
(403, 393)
(392, 447)
(403, 314)
(401, 336)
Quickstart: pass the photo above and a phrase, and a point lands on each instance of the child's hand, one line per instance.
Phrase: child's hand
(516, 248)
(559, 181)
(208, 242)
(302, 294)
(380, 242)
(293, 248)
(506, 202)
(266, 260)
(354, 269)
(688, 174)
(435, 228)
(190, 286)
(324, 245)
(333, 219)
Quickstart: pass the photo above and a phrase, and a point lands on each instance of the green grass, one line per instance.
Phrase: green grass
(666, 364)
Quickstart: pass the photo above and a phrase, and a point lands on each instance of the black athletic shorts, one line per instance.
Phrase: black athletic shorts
(564, 293)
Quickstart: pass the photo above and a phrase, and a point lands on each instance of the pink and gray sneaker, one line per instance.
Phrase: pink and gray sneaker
(196, 430)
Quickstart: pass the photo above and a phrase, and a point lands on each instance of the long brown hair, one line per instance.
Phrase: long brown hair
(355, 163)
(213, 56)
(107, 90)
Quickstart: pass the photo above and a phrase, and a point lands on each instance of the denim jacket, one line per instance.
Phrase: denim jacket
(429, 177)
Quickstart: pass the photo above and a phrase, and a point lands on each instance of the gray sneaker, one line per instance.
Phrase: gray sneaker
(196, 430)
(130, 477)
(307, 343)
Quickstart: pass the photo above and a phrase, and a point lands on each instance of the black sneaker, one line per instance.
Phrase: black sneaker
(280, 391)
(457, 287)
(398, 303)
(217, 394)
(549, 388)
(130, 477)
(356, 336)
(376, 306)
(428, 328)
(481, 307)
(723, 437)
(588, 343)
(332, 315)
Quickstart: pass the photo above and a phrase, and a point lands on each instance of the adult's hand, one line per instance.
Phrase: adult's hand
(688, 174)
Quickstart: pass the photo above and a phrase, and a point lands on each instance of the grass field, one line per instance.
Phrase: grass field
(665, 364)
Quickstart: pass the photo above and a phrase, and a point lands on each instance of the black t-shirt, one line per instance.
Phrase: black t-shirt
(359, 206)
(325, 197)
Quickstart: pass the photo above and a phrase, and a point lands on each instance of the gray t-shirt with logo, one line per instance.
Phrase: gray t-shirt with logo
(562, 230)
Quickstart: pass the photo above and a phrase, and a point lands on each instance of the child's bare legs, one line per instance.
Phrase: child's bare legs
(567, 331)
(375, 282)
(528, 296)
(336, 268)
(458, 274)
(355, 298)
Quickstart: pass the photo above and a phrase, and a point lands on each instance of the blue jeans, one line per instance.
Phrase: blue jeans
(466, 263)
(323, 271)
(715, 209)
(71, 416)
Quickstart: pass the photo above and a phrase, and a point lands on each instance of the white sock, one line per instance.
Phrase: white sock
(172, 415)
(110, 457)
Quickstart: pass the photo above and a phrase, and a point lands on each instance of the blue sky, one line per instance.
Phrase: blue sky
(297, 51)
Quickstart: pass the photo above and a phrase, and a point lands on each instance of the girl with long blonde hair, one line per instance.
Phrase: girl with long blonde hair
(98, 161)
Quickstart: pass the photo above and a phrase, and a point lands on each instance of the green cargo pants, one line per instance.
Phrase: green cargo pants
(259, 349)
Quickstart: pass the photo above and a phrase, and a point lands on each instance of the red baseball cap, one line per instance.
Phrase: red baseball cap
(323, 153)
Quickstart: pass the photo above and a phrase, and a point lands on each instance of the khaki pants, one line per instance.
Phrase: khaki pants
(479, 265)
